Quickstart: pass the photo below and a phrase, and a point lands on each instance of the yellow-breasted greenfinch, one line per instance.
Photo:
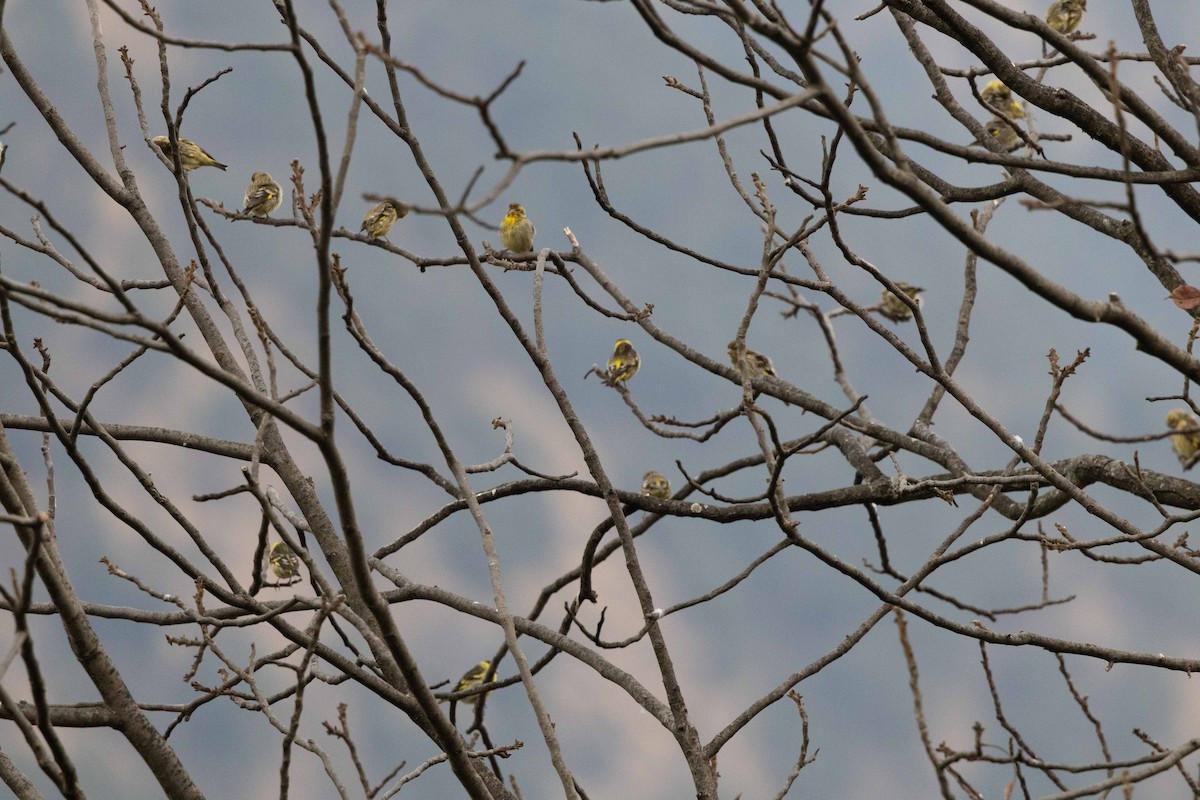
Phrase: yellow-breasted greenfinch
(1000, 98)
(191, 155)
(472, 678)
(263, 195)
(623, 363)
(380, 218)
(895, 309)
(1064, 16)
(755, 365)
(516, 231)
(1186, 444)
(655, 484)
(285, 565)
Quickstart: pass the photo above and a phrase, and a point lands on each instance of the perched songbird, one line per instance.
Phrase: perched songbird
(655, 484)
(1186, 444)
(263, 195)
(285, 565)
(1002, 133)
(895, 309)
(472, 678)
(1000, 98)
(1064, 16)
(381, 217)
(516, 231)
(623, 363)
(191, 155)
(756, 365)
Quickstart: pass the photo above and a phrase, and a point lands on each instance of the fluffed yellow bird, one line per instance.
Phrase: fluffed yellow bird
(1064, 16)
(1186, 444)
(1000, 98)
(516, 231)
(380, 218)
(756, 365)
(191, 155)
(263, 195)
(471, 679)
(624, 362)
(895, 309)
(285, 565)
(655, 484)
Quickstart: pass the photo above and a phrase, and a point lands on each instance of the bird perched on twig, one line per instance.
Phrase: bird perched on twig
(1000, 98)
(285, 565)
(263, 195)
(1064, 16)
(756, 365)
(471, 679)
(516, 231)
(380, 218)
(624, 362)
(895, 309)
(1186, 445)
(191, 155)
(655, 484)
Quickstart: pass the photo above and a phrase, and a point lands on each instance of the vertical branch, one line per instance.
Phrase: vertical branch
(914, 686)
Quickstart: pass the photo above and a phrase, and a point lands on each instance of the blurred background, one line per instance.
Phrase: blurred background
(596, 70)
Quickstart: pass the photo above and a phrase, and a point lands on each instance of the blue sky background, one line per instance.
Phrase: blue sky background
(594, 68)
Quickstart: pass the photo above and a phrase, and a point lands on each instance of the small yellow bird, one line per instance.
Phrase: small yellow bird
(516, 231)
(1002, 133)
(285, 565)
(623, 363)
(895, 309)
(655, 484)
(756, 365)
(1064, 16)
(1186, 444)
(191, 155)
(263, 195)
(380, 218)
(1000, 98)
(472, 678)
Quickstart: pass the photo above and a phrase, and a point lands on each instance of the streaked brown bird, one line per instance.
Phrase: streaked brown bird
(380, 218)
(755, 364)
(191, 155)
(263, 195)
(895, 309)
